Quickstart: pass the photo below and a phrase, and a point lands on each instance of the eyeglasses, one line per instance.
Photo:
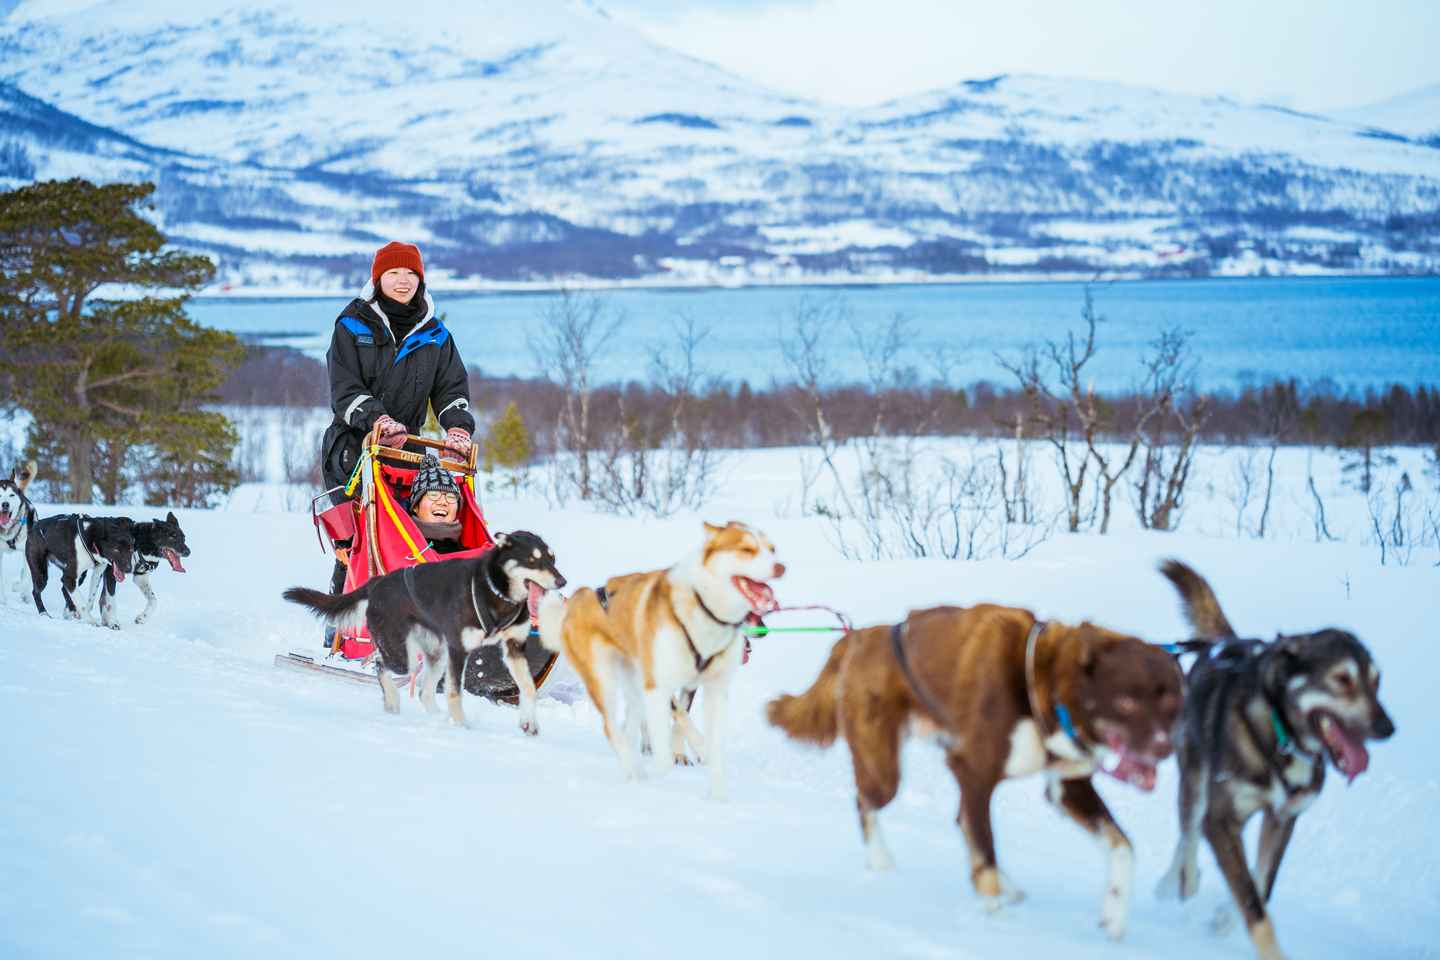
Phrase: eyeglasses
(435, 496)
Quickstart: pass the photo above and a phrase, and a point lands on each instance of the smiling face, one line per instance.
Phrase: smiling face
(746, 558)
(438, 506)
(1128, 696)
(399, 284)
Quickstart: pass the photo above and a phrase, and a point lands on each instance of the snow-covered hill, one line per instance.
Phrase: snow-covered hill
(550, 140)
(1415, 114)
(168, 793)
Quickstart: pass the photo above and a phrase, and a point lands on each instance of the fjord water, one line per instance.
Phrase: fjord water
(1357, 332)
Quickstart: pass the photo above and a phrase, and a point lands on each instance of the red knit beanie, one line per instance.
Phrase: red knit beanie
(396, 254)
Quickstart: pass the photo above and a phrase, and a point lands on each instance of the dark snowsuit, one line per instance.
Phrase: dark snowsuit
(370, 375)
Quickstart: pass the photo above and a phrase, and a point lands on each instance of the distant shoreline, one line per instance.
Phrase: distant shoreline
(650, 285)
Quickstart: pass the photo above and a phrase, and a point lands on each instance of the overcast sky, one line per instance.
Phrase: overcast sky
(1306, 54)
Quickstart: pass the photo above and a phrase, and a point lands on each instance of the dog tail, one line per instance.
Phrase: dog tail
(552, 621)
(344, 610)
(1197, 600)
(23, 477)
(813, 715)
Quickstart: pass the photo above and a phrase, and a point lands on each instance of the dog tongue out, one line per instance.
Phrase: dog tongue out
(174, 559)
(533, 600)
(119, 574)
(1128, 767)
(756, 593)
(1348, 752)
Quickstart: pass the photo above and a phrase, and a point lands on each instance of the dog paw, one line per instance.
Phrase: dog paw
(1180, 882)
(683, 760)
(1113, 926)
(112, 626)
(530, 728)
(879, 860)
(140, 619)
(992, 906)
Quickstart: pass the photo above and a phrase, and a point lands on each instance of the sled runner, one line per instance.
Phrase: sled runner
(384, 537)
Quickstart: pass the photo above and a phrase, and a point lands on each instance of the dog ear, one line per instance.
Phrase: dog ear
(170, 518)
(711, 529)
(502, 540)
(1085, 639)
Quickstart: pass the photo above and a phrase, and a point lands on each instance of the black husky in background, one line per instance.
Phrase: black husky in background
(446, 610)
(80, 546)
(1260, 721)
(155, 540)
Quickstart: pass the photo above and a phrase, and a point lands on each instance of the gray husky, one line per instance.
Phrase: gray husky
(1260, 721)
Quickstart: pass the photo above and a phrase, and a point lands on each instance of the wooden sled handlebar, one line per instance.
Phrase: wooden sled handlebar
(409, 458)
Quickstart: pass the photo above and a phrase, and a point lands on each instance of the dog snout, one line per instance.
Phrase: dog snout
(779, 570)
(1381, 726)
(559, 580)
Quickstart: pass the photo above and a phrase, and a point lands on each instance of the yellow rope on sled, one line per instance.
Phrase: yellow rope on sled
(388, 502)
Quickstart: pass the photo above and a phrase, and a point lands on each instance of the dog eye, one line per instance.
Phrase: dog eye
(1344, 682)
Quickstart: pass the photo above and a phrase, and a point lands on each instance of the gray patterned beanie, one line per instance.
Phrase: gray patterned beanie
(431, 476)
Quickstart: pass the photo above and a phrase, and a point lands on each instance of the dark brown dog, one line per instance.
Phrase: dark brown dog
(1005, 695)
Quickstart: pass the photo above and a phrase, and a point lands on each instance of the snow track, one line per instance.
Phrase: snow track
(169, 793)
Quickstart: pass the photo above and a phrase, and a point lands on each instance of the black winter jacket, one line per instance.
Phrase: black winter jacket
(370, 375)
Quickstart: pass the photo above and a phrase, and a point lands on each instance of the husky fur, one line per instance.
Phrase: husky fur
(445, 610)
(155, 541)
(1004, 695)
(17, 515)
(650, 636)
(81, 547)
(1261, 719)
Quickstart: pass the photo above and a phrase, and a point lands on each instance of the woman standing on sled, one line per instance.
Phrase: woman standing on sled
(390, 359)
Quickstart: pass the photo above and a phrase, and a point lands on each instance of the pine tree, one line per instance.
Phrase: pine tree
(507, 445)
(107, 382)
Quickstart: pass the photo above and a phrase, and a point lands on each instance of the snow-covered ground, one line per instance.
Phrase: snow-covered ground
(168, 792)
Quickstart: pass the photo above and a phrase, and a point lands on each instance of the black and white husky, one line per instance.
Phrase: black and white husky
(16, 517)
(446, 610)
(155, 540)
(81, 547)
(1261, 720)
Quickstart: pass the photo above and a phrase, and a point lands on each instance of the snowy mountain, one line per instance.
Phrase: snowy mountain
(1415, 115)
(291, 139)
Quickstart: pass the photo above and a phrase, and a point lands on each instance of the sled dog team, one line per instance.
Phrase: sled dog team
(103, 550)
(1002, 693)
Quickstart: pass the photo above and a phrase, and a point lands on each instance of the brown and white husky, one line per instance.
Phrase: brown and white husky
(648, 636)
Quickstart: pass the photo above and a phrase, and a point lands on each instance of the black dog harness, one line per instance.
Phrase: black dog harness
(897, 644)
(1233, 657)
(488, 622)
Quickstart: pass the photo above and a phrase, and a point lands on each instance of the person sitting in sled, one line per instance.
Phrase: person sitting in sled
(390, 360)
(435, 504)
